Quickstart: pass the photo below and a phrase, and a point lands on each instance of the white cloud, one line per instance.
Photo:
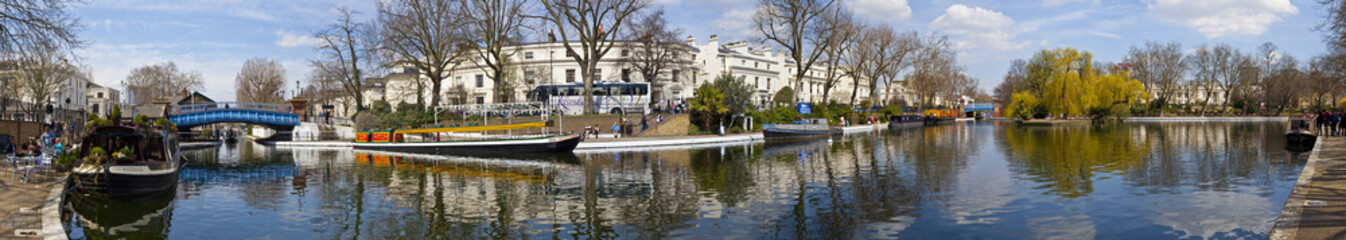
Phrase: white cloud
(296, 40)
(888, 11)
(735, 24)
(1035, 24)
(1217, 18)
(1052, 3)
(976, 27)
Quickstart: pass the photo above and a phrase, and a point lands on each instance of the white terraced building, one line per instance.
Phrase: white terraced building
(767, 71)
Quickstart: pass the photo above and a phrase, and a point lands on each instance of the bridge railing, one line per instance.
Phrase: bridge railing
(269, 107)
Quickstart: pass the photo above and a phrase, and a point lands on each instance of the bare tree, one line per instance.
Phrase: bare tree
(1230, 77)
(347, 50)
(791, 24)
(1207, 65)
(593, 24)
(837, 36)
(1013, 81)
(655, 50)
(36, 25)
(160, 81)
(260, 81)
(42, 69)
(1159, 67)
(493, 25)
(933, 67)
(424, 35)
(1283, 84)
(879, 57)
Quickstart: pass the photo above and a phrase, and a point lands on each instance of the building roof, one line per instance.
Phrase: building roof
(195, 98)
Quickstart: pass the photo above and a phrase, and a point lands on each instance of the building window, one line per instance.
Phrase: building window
(481, 100)
(458, 80)
(755, 81)
(625, 52)
(626, 75)
(95, 109)
(527, 55)
(754, 64)
(768, 82)
(528, 76)
(598, 74)
(675, 76)
(480, 81)
(570, 53)
(100, 95)
(570, 75)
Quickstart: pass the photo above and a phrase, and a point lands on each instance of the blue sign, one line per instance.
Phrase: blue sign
(804, 108)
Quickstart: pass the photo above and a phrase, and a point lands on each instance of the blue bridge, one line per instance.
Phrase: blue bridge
(279, 117)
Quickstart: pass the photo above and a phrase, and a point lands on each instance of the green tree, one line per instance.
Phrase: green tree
(737, 93)
(1022, 106)
(784, 97)
(708, 105)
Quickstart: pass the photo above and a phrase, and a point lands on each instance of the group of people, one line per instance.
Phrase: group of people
(623, 127)
(1329, 123)
(34, 146)
(673, 107)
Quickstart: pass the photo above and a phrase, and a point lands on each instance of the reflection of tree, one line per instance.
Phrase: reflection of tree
(1066, 159)
(1217, 157)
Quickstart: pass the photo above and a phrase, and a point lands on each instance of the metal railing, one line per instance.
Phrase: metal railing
(194, 108)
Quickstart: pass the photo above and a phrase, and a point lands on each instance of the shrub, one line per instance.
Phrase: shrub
(1023, 106)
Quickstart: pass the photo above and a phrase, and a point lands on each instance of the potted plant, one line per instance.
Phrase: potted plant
(124, 154)
(96, 156)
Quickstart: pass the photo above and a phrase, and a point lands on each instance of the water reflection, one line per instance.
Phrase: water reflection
(985, 180)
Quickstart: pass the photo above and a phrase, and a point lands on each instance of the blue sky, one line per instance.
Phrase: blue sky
(216, 36)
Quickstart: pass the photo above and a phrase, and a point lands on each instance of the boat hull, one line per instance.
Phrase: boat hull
(1300, 140)
(124, 185)
(790, 133)
(557, 144)
(939, 121)
(905, 124)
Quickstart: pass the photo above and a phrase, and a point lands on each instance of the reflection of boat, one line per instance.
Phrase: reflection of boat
(231, 140)
(1299, 138)
(809, 128)
(145, 217)
(152, 165)
(396, 140)
(905, 121)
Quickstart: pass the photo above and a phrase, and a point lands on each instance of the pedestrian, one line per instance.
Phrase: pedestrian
(658, 118)
(1318, 123)
(643, 125)
(616, 129)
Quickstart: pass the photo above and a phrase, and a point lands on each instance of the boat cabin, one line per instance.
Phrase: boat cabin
(144, 147)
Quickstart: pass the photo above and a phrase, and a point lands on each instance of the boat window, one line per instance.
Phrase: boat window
(152, 149)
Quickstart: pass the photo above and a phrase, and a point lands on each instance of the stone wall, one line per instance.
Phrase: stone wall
(20, 130)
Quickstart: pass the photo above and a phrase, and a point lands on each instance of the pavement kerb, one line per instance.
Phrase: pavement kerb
(1287, 224)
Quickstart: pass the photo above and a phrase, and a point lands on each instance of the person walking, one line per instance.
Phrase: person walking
(643, 124)
(1318, 123)
(616, 129)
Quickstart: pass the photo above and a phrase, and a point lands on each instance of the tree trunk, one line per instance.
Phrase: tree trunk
(585, 71)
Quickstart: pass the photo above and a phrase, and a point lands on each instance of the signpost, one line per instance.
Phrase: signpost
(804, 108)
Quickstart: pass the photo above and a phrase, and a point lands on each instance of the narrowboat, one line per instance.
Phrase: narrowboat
(432, 140)
(808, 128)
(121, 161)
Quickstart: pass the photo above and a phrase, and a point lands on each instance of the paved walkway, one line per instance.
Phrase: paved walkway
(1316, 209)
(17, 197)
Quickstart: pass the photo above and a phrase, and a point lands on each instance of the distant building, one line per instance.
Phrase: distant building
(100, 99)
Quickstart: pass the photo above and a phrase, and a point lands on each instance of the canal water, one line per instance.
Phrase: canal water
(984, 180)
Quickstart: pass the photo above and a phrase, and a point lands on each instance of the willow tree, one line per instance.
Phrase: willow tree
(1066, 88)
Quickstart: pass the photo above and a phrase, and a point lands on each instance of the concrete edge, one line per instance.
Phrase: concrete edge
(1287, 224)
(52, 228)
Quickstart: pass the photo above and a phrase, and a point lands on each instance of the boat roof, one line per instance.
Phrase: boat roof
(118, 131)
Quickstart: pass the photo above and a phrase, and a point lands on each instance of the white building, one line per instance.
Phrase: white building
(101, 99)
(767, 71)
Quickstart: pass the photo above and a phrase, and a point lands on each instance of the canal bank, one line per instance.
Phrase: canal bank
(1314, 208)
(18, 202)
